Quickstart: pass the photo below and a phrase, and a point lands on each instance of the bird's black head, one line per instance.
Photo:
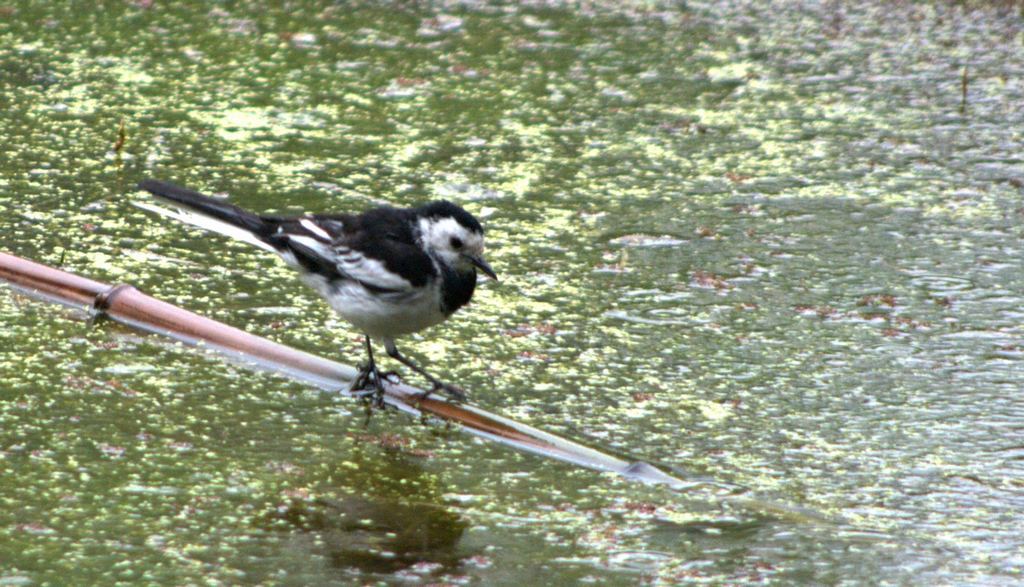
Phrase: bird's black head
(446, 209)
(453, 235)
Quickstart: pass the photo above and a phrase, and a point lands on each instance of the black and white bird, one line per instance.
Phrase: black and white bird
(388, 271)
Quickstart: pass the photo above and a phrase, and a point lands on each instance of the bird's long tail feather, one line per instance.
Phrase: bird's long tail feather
(209, 213)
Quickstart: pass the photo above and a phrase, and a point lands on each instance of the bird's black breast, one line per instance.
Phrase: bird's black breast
(456, 289)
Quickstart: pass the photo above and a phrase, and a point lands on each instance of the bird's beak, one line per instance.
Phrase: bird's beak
(482, 265)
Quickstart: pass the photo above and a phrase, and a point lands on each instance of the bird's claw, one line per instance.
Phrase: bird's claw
(373, 396)
(391, 376)
(362, 380)
(369, 383)
(455, 392)
(368, 386)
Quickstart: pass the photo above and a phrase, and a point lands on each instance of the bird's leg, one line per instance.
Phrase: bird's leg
(362, 380)
(368, 382)
(453, 391)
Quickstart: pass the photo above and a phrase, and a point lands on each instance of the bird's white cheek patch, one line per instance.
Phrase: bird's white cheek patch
(437, 231)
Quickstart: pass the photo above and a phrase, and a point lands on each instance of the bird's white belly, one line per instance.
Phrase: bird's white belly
(382, 316)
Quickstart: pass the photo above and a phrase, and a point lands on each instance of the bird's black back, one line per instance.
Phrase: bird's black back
(388, 235)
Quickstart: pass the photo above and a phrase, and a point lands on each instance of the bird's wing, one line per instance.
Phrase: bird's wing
(375, 273)
(378, 261)
(376, 249)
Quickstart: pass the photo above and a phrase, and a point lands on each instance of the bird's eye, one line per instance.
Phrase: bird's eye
(456, 242)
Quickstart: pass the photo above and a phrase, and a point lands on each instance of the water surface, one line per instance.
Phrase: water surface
(777, 248)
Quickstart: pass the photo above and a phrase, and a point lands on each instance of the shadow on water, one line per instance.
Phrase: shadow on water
(392, 520)
(376, 535)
